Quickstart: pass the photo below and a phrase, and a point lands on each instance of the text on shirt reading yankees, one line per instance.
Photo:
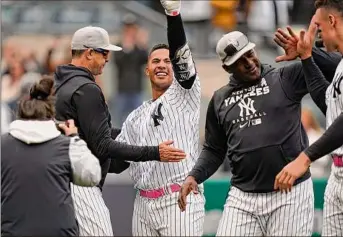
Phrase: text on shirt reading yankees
(248, 114)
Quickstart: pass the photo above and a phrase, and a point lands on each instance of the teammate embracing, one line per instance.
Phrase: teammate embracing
(254, 121)
(172, 113)
(329, 20)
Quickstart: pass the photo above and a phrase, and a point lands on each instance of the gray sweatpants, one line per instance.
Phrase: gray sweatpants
(269, 214)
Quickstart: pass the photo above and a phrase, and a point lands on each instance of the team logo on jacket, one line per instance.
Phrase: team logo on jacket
(246, 102)
(247, 107)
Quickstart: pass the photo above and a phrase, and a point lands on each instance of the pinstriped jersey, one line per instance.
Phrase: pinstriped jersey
(334, 102)
(173, 116)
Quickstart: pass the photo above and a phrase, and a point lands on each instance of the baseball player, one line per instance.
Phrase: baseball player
(329, 20)
(255, 122)
(78, 97)
(172, 113)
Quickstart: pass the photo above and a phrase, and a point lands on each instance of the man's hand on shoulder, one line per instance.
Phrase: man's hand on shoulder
(171, 7)
(68, 128)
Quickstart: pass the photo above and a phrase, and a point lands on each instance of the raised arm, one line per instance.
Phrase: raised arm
(327, 62)
(319, 71)
(316, 83)
(317, 80)
(180, 54)
(333, 136)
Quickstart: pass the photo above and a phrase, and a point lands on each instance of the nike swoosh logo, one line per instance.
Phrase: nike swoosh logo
(243, 125)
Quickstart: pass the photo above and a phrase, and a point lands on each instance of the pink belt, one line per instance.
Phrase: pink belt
(337, 160)
(156, 193)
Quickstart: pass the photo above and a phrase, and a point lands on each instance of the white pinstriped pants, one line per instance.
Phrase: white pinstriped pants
(333, 208)
(162, 216)
(91, 211)
(269, 214)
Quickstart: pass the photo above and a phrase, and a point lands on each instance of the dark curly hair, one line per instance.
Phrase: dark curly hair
(158, 46)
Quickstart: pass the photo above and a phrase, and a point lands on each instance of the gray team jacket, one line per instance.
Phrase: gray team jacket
(37, 166)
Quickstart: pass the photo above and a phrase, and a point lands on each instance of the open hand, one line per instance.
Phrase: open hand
(169, 153)
(306, 40)
(190, 185)
(289, 44)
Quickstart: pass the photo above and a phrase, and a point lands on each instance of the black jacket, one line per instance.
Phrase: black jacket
(37, 166)
(78, 97)
(257, 126)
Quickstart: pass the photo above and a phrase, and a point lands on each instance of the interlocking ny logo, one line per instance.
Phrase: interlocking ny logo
(157, 115)
(336, 86)
(247, 106)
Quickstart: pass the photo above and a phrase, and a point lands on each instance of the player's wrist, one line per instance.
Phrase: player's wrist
(171, 8)
(172, 12)
(73, 135)
(304, 159)
(191, 178)
(305, 56)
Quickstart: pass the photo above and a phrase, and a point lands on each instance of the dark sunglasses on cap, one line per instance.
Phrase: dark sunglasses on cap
(102, 51)
(230, 51)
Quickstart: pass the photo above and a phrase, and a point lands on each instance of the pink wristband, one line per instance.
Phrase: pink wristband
(175, 13)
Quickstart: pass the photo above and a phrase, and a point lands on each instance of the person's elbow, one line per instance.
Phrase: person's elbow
(87, 174)
(85, 166)
(100, 148)
(118, 166)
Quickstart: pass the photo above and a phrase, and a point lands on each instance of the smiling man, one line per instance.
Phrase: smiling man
(255, 122)
(172, 113)
(329, 99)
(78, 97)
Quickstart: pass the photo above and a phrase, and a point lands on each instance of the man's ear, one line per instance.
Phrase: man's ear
(332, 20)
(226, 68)
(147, 71)
(89, 54)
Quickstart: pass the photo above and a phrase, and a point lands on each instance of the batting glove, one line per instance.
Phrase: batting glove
(171, 7)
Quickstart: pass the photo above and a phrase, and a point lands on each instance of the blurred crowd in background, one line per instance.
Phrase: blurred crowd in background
(27, 55)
